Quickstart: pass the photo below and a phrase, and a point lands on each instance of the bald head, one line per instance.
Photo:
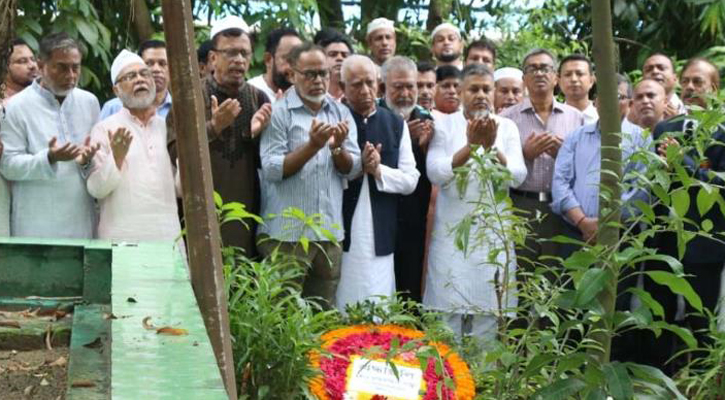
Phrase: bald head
(648, 103)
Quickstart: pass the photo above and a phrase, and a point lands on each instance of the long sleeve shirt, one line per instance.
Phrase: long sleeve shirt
(48, 200)
(137, 201)
(317, 187)
(577, 171)
(563, 120)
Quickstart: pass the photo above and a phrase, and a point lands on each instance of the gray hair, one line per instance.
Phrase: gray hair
(354, 60)
(397, 63)
(539, 51)
(56, 41)
(476, 70)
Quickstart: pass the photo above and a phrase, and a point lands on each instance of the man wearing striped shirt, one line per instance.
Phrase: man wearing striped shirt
(543, 124)
(308, 151)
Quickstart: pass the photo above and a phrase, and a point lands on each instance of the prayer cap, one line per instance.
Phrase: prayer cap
(379, 23)
(508, 72)
(124, 59)
(230, 22)
(445, 25)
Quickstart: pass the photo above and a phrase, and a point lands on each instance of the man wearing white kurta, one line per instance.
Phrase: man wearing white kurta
(370, 202)
(45, 134)
(463, 286)
(132, 176)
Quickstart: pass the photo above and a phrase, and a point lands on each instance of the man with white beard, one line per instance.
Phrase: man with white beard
(400, 78)
(370, 202)
(131, 175)
(47, 147)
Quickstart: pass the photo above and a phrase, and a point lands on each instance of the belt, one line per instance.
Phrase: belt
(544, 197)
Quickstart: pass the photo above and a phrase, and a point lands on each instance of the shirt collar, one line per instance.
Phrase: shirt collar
(294, 100)
(526, 105)
(591, 128)
(47, 94)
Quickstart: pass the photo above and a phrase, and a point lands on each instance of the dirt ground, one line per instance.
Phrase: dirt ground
(33, 374)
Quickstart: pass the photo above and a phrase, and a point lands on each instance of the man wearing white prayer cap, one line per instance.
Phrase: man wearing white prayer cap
(509, 88)
(131, 175)
(447, 45)
(380, 39)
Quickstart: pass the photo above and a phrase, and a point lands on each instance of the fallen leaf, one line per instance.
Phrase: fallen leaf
(60, 362)
(94, 344)
(28, 391)
(48, 336)
(167, 330)
(131, 300)
(82, 384)
(147, 324)
(109, 316)
(44, 382)
(10, 324)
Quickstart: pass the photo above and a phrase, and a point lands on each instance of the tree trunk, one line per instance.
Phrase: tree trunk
(331, 14)
(611, 168)
(202, 226)
(436, 10)
(141, 20)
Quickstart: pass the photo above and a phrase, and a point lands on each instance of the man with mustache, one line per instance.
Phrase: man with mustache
(309, 150)
(371, 201)
(463, 285)
(236, 114)
(153, 52)
(400, 76)
(447, 45)
(543, 124)
(576, 78)
(660, 68)
(275, 81)
(337, 48)
(380, 39)
(22, 69)
(446, 99)
(704, 256)
(47, 147)
(131, 175)
(426, 84)
(481, 51)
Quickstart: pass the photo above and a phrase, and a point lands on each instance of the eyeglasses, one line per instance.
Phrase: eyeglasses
(542, 68)
(231, 54)
(312, 74)
(144, 73)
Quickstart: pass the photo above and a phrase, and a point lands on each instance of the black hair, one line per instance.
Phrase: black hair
(202, 53)
(482, 43)
(447, 71)
(296, 52)
(426, 66)
(577, 57)
(328, 36)
(151, 44)
(276, 36)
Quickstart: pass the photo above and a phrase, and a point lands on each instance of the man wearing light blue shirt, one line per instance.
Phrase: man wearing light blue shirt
(47, 148)
(153, 52)
(308, 150)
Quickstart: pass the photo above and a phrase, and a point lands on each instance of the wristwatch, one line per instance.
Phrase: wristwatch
(336, 150)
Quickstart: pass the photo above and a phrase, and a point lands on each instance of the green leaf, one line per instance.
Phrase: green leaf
(618, 381)
(218, 200)
(305, 242)
(680, 202)
(561, 389)
(652, 374)
(683, 333)
(648, 301)
(87, 30)
(538, 362)
(677, 285)
(674, 263)
(705, 200)
(580, 260)
(707, 225)
(591, 283)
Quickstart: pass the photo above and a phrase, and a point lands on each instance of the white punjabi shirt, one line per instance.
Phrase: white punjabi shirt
(456, 282)
(137, 202)
(48, 200)
(259, 82)
(364, 275)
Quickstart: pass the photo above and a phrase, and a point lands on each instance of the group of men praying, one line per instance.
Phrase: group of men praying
(367, 146)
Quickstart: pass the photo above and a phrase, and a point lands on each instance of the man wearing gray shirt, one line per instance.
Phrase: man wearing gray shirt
(307, 151)
(543, 124)
(47, 147)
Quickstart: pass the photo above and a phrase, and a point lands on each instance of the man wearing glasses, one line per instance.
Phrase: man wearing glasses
(543, 124)
(308, 150)
(236, 114)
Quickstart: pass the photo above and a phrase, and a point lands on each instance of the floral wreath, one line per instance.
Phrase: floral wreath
(349, 342)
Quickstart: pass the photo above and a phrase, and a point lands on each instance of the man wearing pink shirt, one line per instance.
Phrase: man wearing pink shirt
(132, 176)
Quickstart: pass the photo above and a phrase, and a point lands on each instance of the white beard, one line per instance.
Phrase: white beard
(133, 102)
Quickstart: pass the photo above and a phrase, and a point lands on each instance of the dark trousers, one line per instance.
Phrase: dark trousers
(705, 281)
(409, 253)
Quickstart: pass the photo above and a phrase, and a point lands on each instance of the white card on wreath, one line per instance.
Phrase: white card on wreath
(377, 378)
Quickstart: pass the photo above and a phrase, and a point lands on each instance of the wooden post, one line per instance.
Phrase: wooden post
(202, 225)
(611, 168)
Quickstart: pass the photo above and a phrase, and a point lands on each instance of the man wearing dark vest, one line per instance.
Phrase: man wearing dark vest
(399, 75)
(370, 202)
